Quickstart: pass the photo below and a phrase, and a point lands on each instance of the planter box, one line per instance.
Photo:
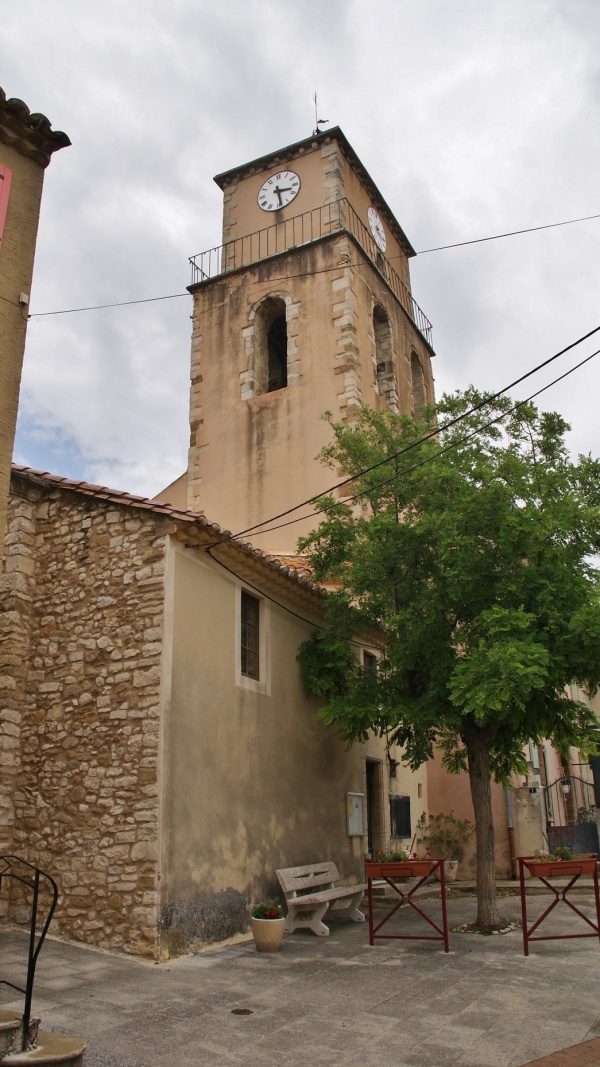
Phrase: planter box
(556, 868)
(399, 868)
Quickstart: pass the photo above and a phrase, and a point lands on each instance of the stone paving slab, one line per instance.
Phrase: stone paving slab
(333, 1002)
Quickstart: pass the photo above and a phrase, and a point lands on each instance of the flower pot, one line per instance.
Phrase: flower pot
(556, 868)
(450, 871)
(398, 868)
(267, 934)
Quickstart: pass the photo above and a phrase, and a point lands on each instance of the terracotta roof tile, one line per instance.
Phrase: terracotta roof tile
(31, 134)
(299, 573)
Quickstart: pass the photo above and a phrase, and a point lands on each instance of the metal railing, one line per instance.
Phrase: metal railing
(297, 232)
(19, 870)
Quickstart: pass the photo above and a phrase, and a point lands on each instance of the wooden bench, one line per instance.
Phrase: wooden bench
(306, 907)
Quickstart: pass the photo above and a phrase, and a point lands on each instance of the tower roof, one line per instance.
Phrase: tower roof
(309, 144)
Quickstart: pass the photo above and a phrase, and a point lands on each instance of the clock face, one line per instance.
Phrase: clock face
(377, 228)
(278, 190)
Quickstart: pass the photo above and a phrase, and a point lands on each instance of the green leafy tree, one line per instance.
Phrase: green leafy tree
(472, 555)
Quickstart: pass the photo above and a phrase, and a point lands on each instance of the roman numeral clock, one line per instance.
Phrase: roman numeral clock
(279, 190)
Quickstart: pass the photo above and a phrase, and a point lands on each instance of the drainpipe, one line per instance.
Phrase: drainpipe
(511, 833)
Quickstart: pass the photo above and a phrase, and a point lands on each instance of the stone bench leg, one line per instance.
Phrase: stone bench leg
(298, 919)
(353, 911)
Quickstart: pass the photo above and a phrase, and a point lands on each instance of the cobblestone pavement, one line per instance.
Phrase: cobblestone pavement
(332, 1001)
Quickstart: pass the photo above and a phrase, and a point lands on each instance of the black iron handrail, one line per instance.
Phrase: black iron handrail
(33, 881)
(301, 230)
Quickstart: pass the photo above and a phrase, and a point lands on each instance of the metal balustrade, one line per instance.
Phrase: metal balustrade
(297, 232)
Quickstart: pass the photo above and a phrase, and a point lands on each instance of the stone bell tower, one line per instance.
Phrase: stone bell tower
(305, 308)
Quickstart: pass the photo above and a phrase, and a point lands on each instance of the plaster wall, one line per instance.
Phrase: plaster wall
(256, 782)
(16, 268)
(326, 175)
(319, 184)
(451, 792)
(527, 818)
(252, 456)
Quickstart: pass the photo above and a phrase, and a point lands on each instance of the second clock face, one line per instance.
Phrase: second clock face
(377, 228)
(278, 190)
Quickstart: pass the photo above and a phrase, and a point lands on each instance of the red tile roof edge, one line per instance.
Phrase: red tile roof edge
(190, 518)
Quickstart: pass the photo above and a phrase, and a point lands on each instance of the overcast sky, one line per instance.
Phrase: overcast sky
(474, 118)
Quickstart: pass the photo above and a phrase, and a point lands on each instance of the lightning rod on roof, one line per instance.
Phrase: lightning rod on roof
(318, 121)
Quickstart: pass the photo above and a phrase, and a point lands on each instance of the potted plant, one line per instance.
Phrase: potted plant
(560, 863)
(445, 836)
(267, 927)
(399, 864)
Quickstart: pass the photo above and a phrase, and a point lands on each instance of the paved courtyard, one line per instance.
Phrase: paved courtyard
(329, 1001)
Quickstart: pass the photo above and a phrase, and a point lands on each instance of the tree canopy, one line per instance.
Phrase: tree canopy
(472, 553)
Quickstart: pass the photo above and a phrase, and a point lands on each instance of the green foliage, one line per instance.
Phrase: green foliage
(267, 911)
(444, 835)
(478, 569)
(398, 856)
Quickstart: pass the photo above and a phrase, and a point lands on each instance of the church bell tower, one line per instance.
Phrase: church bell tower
(306, 307)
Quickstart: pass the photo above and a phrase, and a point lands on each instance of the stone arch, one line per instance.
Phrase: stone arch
(419, 390)
(384, 357)
(270, 346)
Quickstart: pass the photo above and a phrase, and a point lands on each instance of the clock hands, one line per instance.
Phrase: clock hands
(273, 195)
(285, 189)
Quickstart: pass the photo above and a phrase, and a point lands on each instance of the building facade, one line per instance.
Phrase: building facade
(27, 143)
(160, 756)
(158, 761)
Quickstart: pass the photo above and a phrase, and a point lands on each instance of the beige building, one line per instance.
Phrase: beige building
(160, 756)
(26, 145)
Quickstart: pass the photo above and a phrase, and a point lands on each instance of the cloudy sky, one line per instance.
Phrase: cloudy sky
(473, 119)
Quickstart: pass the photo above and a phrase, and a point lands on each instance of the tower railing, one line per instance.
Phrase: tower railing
(302, 230)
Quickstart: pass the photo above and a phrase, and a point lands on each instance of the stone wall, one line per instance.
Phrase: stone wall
(81, 631)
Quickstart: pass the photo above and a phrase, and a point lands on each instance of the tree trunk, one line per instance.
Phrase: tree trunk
(488, 916)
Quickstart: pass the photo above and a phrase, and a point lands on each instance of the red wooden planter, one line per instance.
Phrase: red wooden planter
(399, 868)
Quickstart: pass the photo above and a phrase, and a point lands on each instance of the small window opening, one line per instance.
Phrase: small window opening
(250, 636)
(384, 358)
(418, 383)
(400, 816)
(370, 661)
(277, 350)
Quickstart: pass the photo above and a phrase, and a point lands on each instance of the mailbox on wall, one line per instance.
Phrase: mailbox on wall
(355, 810)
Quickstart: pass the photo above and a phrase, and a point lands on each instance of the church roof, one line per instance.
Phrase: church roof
(30, 133)
(291, 567)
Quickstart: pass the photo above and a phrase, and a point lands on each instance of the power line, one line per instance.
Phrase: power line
(435, 455)
(511, 233)
(100, 307)
(421, 440)
(324, 270)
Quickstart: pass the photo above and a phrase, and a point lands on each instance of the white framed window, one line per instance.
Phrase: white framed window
(252, 644)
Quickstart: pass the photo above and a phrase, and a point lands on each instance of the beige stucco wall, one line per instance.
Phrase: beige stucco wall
(320, 183)
(451, 792)
(326, 175)
(80, 672)
(255, 781)
(16, 267)
(254, 456)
